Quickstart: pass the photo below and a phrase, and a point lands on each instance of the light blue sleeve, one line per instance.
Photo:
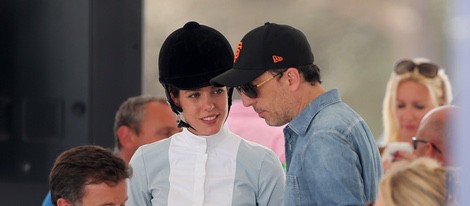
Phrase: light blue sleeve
(260, 179)
(271, 181)
(137, 185)
(47, 200)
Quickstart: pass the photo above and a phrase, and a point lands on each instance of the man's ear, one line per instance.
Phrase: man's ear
(293, 78)
(124, 135)
(63, 202)
(429, 150)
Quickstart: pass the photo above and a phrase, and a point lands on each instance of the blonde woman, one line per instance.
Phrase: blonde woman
(422, 181)
(415, 87)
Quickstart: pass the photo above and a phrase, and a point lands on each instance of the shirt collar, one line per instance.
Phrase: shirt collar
(210, 141)
(300, 124)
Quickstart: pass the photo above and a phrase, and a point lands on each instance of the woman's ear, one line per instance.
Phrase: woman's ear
(175, 99)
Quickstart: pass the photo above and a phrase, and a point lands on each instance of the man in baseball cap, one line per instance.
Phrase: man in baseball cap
(331, 154)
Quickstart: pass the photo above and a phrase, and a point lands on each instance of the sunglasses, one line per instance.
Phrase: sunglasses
(250, 90)
(426, 69)
(416, 141)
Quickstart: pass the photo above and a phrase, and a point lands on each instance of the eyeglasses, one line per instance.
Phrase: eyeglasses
(416, 141)
(250, 90)
(426, 69)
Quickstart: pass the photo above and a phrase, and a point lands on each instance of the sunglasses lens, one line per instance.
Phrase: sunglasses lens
(404, 66)
(248, 90)
(428, 70)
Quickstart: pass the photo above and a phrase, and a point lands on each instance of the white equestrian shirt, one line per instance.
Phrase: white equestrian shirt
(191, 170)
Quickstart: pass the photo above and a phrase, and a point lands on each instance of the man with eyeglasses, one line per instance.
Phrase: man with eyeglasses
(432, 137)
(331, 154)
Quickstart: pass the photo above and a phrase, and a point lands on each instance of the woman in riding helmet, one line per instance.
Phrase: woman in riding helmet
(205, 164)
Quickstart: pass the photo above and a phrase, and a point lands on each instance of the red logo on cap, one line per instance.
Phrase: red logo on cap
(277, 59)
(237, 52)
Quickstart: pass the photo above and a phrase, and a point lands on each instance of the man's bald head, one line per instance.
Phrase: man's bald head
(434, 129)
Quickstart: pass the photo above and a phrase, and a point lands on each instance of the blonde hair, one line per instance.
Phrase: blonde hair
(422, 181)
(439, 90)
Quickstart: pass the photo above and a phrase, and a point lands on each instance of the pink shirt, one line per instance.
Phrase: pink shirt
(245, 122)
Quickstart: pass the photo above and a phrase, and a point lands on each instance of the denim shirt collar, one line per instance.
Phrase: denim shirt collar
(300, 124)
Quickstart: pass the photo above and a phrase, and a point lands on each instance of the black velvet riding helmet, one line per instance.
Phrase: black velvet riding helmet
(191, 56)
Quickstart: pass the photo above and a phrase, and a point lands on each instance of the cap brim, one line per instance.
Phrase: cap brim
(236, 77)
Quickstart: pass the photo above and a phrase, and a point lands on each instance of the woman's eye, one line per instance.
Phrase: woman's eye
(419, 106)
(219, 91)
(193, 95)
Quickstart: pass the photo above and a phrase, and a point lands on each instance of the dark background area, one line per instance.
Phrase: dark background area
(65, 68)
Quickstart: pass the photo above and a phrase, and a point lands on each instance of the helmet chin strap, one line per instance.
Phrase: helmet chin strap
(176, 109)
(229, 94)
(182, 123)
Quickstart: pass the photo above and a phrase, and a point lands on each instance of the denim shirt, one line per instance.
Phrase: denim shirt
(331, 156)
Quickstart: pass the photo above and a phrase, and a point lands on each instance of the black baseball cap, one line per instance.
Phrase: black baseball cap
(271, 46)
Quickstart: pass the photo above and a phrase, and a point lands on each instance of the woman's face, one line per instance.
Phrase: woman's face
(205, 109)
(412, 103)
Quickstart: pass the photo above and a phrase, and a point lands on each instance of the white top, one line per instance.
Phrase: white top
(220, 169)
